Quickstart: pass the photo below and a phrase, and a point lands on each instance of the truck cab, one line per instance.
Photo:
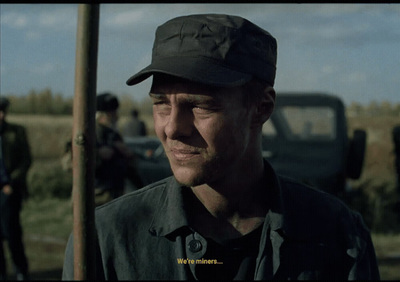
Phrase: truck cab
(307, 139)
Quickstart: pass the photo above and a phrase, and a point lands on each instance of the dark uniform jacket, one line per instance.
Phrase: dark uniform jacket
(16, 155)
(110, 174)
(307, 234)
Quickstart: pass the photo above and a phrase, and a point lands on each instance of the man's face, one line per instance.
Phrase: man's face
(205, 131)
(113, 118)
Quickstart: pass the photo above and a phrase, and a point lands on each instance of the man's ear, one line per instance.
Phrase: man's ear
(265, 107)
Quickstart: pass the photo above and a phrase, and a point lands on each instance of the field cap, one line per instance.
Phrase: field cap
(213, 49)
(107, 102)
(4, 103)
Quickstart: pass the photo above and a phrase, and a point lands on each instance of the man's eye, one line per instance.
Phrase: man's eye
(161, 108)
(157, 103)
(200, 109)
(203, 110)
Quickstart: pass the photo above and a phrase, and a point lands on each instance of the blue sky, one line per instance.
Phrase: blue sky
(351, 50)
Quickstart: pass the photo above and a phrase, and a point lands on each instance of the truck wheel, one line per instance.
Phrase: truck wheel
(356, 154)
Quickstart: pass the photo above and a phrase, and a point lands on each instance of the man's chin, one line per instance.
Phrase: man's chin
(189, 182)
(188, 178)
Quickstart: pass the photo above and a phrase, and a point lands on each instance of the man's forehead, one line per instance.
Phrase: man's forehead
(188, 97)
(173, 87)
(164, 85)
(191, 91)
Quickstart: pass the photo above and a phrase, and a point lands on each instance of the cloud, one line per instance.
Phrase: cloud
(124, 18)
(355, 77)
(348, 25)
(344, 25)
(57, 17)
(14, 20)
(38, 20)
(328, 69)
(33, 35)
(54, 20)
(43, 69)
(3, 70)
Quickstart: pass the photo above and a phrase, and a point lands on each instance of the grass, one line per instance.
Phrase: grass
(47, 135)
(48, 218)
(46, 224)
(387, 248)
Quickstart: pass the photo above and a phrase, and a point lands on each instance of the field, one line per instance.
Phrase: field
(48, 222)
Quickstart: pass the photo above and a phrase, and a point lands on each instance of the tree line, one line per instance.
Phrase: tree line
(374, 108)
(45, 102)
(49, 103)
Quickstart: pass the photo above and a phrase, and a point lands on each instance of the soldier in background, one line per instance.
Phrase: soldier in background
(114, 160)
(134, 126)
(15, 160)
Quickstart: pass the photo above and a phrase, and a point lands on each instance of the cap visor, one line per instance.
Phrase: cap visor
(198, 69)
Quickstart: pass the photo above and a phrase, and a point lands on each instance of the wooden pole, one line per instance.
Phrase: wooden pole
(84, 141)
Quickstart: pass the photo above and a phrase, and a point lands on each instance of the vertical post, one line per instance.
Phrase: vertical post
(84, 140)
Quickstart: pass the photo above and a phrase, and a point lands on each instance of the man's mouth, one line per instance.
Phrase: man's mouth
(184, 154)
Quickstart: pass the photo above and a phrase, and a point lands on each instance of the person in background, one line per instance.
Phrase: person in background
(224, 214)
(134, 126)
(15, 160)
(114, 160)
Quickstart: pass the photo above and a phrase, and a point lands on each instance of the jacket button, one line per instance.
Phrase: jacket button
(195, 246)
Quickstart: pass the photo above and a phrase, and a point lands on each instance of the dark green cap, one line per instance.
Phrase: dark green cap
(213, 49)
(107, 102)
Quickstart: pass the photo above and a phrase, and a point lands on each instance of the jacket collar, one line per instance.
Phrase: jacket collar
(275, 215)
(172, 212)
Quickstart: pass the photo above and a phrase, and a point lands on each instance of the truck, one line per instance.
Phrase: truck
(307, 138)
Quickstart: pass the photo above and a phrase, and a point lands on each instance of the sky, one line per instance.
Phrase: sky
(349, 50)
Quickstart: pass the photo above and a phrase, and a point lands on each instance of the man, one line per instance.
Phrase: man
(15, 160)
(114, 159)
(224, 214)
(134, 126)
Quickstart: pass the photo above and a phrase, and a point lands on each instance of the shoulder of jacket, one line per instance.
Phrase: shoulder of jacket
(136, 209)
(300, 193)
(308, 208)
(136, 198)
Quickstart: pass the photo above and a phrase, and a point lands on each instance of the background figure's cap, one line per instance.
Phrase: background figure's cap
(212, 49)
(107, 102)
(4, 103)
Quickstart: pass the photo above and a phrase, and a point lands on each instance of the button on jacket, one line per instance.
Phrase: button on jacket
(307, 234)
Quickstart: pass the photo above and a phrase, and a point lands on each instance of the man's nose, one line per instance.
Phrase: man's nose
(180, 123)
